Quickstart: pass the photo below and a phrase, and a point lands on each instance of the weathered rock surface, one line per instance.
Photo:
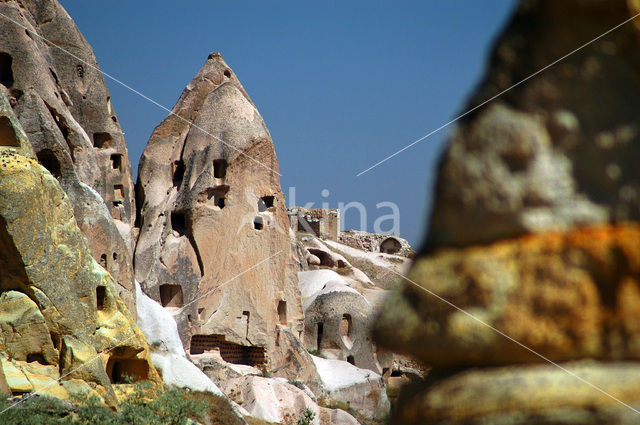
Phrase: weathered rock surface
(376, 242)
(61, 316)
(556, 151)
(277, 401)
(63, 104)
(540, 394)
(534, 234)
(337, 319)
(361, 389)
(564, 295)
(214, 240)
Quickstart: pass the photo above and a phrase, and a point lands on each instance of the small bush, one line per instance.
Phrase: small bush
(307, 417)
(297, 384)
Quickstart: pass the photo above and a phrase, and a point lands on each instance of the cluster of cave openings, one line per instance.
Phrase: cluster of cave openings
(101, 297)
(122, 370)
(265, 203)
(116, 161)
(171, 295)
(282, 312)
(345, 329)
(230, 352)
(6, 73)
(102, 140)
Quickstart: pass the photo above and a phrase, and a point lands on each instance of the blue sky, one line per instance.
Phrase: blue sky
(341, 85)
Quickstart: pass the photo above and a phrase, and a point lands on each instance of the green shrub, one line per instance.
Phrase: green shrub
(144, 406)
(307, 417)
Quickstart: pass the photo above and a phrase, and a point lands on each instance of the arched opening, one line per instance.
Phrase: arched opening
(103, 261)
(171, 295)
(351, 360)
(282, 312)
(6, 73)
(8, 135)
(325, 258)
(124, 371)
(390, 246)
(48, 160)
(101, 296)
(219, 168)
(37, 358)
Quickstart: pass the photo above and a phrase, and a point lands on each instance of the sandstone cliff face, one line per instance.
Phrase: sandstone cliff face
(534, 232)
(214, 241)
(64, 107)
(60, 313)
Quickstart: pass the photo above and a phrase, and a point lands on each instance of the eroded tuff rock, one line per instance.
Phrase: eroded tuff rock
(214, 239)
(63, 104)
(60, 313)
(534, 232)
(557, 151)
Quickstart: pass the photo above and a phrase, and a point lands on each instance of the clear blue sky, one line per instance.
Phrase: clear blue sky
(341, 85)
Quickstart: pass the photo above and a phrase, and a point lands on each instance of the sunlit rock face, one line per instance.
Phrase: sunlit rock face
(62, 102)
(60, 314)
(534, 232)
(214, 240)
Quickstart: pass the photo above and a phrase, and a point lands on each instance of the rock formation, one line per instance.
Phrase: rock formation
(63, 104)
(214, 239)
(60, 314)
(534, 232)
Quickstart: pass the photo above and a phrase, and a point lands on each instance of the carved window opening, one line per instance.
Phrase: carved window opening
(258, 223)
(102, 140)
(220, 168)
(6, 73)
(101, 296)
(282, 312)
(8, 135)
(116, 161)
(103, 261)
(230, 352)
(179, 222)
(319, 334)
(265, 203)
(351, 360)
(121, 370)
(177, 172)
(171, 295)
(48, 160)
